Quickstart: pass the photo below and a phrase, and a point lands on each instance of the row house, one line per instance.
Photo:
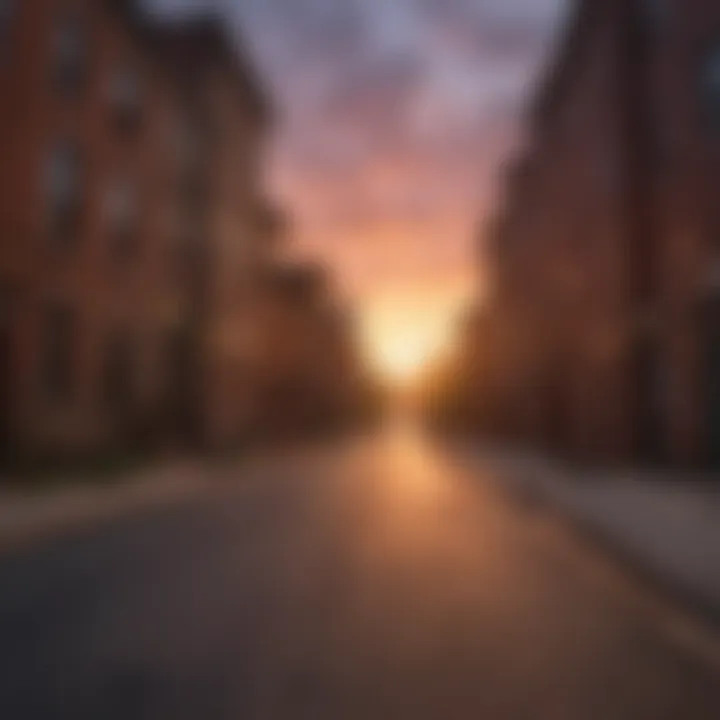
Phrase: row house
(131, 217)
(223, 229)
(605, 248)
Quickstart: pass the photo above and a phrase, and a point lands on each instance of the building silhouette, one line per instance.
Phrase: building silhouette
(601, 335)
(309, 377)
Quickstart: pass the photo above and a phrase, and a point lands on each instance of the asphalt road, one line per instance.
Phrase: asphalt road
(380, 579)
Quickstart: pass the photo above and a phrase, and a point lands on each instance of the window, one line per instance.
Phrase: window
(63, 174)
(124, 94)
(6, 11)
(184, 144)
(710, 88)
(121, 217)
(69, 53)
(63, 190)
(124, 87)
(58, 353)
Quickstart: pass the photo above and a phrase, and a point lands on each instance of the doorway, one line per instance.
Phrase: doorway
(5, 392)
(557, 407)
(119, 388)
(649, 392)
(180, 402)
(711, 384)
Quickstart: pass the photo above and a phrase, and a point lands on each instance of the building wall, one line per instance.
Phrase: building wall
(78, 272)
(131, 287)
(308, 373)
(607, 252)
(234, 261)
(563, 276)
(685, 186)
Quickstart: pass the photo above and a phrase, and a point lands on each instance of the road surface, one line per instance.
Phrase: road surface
(380, 579)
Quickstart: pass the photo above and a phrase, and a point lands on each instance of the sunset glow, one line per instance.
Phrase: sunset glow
(405, 330)
(396, 116)
(401, 358)
(400, 113)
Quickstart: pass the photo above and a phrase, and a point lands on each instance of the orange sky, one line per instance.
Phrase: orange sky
(403, 326)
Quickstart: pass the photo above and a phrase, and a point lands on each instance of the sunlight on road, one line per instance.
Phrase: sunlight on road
(376, 579)
(411, 467)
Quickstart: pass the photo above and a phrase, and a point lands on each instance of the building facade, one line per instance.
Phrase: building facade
(224, 229)
(131, 221)
(308, 369)
(605, 249)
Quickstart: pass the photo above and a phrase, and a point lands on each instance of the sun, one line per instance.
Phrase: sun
(400, 358)
(402, 335)
(401, 364)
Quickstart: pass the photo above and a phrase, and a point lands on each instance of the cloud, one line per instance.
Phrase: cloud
(397, 112)
(377, 94)
(484, 34)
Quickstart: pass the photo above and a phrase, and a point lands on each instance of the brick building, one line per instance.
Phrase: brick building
(224, 230)
(605, 248)
(308, 370)
(132, 222)
(681, 62)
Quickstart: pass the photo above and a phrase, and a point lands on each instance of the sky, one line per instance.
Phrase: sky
(394, 117)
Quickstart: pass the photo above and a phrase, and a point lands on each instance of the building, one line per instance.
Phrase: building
(132, 222)
(308, 367)
(681, 123)
(605, 248)
(224, 231)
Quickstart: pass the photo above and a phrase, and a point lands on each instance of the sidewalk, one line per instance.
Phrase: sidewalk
(669, 527)
(25, 517)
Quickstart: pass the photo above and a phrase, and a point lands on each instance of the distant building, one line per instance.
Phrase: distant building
(309, 368)
(132, 224)
(606, 246)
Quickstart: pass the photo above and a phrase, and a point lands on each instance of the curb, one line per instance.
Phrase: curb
(643, 570)
(679, 595)
(48, 521)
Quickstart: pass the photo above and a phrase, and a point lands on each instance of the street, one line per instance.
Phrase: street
(377, 578)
